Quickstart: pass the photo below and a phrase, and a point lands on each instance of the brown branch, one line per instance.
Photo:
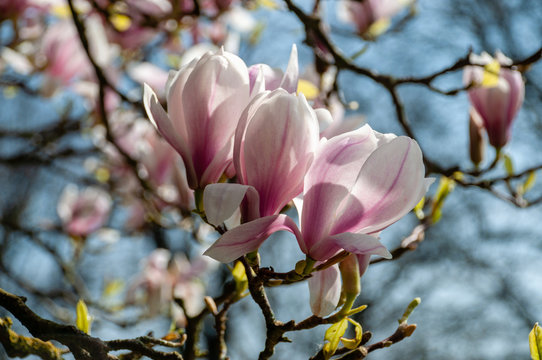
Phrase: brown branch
(274, 329)
(220, 326)
(193, 323)
(142, 346)
(81, 345)
(22, 346)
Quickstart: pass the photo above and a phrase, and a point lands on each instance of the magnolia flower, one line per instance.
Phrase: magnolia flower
(274, 147)
(128, 20)
(497, 94)
(359, 183)
(205, 99)
(83, 212)
(154, 280)
(371, 17)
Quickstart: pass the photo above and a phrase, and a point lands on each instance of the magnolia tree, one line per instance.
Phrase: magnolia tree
(172, 160)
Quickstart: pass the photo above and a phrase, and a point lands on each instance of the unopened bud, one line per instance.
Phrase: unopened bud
(350, 275)
(476, 136)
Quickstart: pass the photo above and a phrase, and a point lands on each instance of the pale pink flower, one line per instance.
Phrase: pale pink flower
(275, 143)
(359, 183)
(496, 100)
(83, 212)
(205, 99)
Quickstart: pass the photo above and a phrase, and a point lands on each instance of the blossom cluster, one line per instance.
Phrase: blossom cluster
(45, 49)
(251, 144)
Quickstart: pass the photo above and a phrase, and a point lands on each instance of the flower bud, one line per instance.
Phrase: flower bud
(496, 94)
(350, 275)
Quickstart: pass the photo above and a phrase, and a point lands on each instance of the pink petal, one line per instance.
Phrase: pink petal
(214, 96)
(390, 183)
(174, 92)
(361, 244)
(221, 200)
(249, 236)
(290, 78)
(347, 124)
(240, 134)
(161, 121)
(325, 291)
(263, 77)
(279, 144)
(330, 179)
(363, 263)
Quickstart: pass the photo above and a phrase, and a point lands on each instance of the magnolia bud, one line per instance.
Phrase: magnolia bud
(350, 275)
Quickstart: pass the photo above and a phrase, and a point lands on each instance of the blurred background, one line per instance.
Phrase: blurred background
(477, 271)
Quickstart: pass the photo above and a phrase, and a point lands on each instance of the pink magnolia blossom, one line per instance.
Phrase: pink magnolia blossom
(154, 280)
(275, 143)
(83, 212)
(497, 102)
(132, 33)
(205, 99)
(359, 183)
(274, 146)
